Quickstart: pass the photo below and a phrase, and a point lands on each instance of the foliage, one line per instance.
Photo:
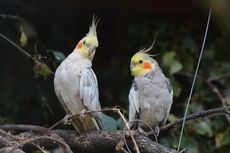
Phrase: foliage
(27, 88)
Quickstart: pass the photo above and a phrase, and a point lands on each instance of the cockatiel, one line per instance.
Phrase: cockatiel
(151, 94)
(76, 86)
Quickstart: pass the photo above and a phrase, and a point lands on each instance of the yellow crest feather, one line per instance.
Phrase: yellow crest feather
(144, 53)
(93, 27)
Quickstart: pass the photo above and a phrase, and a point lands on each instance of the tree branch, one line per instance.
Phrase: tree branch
(93, 142)
(202, 114)
(219, 95)
(116, 110)
(24, 52)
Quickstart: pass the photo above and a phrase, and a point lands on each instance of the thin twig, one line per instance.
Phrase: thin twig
(219, 77)
(23, 52)
(194, 79)
(5, 142)
(35, 129)
(23, 127)
(9, 16)
(67, 148)
(220, 96)
(202, 114)
(8, 134)
(56, 124)
(213, 87)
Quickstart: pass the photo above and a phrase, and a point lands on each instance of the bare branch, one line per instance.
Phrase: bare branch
(92, 142)
(98, 141)
(106, 110)
(24, 52)
(34, 139)
(219, 95)
(206, 113)
(124, 120)
(22, 127)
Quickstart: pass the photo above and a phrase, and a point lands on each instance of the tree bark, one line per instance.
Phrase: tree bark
(92, 142)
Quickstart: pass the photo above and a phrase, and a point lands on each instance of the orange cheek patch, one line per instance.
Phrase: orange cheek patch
(147, 66)
(79, 45)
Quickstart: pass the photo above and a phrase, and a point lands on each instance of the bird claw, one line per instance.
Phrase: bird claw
(154, 134)
(67, 120)
(157, 131)
(185, 150)
(82, 113)
(140, 131)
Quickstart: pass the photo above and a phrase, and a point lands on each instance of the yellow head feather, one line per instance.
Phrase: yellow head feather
(141, 62)
(87, 45)
(93, 27)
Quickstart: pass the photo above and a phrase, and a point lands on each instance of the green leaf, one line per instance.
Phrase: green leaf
(223, 139)
(58, 55)
(195, 107)
(42, 69)
(190, 144)
(23, 38)
(120, 124)
(175, 67)
(176, 88)
(228, 100)
(203, 128)
(172, 118)
(108, 122)
(188, 63)
(169, 60)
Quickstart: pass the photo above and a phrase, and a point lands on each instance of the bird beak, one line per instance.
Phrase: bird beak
(132, 69)
(92, 50)
(131, 66)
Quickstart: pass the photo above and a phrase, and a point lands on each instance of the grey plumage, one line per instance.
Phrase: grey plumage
(150, 97)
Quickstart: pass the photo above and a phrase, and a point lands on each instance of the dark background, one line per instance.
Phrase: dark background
(27, 97)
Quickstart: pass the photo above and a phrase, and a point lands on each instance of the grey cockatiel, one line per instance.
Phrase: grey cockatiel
(150, 97)
(76, 85)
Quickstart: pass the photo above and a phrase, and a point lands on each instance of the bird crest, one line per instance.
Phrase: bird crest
(93, 27)
(144, 52)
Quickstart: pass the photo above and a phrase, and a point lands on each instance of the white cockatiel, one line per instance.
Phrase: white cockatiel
(76, 86)
(151, 94)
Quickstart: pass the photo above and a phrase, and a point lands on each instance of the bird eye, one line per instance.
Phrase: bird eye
(140, 61)
(84, 42)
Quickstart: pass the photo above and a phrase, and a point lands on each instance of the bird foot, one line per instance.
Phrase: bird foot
(140, 131)
(185, 150)
(154, 134)
(157, 131)
(67, 119)
(82, 113)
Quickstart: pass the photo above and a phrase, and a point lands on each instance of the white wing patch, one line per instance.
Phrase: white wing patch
(88, 90)
(134, 104)
(169, 86)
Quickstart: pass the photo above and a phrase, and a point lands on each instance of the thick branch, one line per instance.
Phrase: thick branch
(100, 141)
(95, 142)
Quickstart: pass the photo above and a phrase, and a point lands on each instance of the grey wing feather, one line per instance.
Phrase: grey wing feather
(170, 89)
(88, 91)
(134, 103)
